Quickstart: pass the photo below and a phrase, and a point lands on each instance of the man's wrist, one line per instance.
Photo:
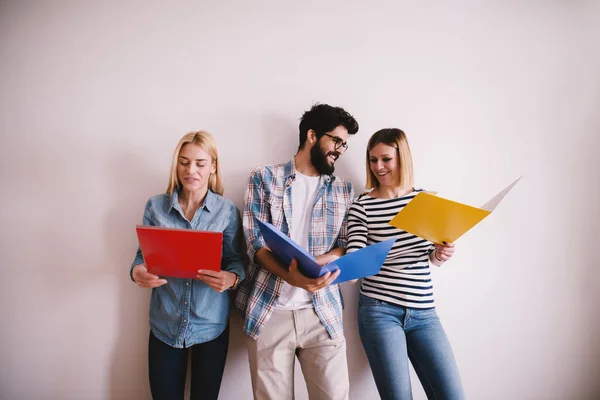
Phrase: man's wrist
(286, 276)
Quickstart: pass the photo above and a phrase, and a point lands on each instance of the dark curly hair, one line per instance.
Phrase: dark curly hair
(323, 118)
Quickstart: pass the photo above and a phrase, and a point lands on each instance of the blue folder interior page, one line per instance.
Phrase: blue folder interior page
(284, 248)
(364, 262)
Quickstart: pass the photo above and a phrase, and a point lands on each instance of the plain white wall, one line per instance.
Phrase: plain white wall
(95, 95)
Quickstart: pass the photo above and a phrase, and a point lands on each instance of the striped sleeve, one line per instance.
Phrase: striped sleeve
(342, 239)
(357, 227)
(404, 278)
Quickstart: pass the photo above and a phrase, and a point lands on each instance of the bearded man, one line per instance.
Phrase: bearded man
(286, 314)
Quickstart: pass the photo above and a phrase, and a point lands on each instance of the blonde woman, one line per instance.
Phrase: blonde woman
(397, 317)
(191, 313)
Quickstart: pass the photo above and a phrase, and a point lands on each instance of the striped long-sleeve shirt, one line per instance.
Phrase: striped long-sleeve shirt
(404, 278)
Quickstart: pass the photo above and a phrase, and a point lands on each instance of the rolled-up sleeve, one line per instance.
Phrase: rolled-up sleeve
(342, 240)
(255, 207)
(139, 257)
(232, 260)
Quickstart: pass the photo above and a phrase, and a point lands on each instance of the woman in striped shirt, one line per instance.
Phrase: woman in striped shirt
(397, 318)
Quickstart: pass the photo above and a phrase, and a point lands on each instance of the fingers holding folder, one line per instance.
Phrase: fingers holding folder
(298, 279)
(443, 252)
(219, 281)
(144, 279)
(364, 262)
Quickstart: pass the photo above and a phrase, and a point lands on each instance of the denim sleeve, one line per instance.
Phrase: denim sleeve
(342, 240)
(139, 258)
(233, 260)
(255, 207)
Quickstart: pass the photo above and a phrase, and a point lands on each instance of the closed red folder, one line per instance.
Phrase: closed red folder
(179, 253)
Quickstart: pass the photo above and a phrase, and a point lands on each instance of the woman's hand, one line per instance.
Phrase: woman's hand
(326, 258)
(144, 279)
(442, 253)
(218, 281)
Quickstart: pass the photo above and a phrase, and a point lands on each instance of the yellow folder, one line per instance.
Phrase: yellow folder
(441, 220)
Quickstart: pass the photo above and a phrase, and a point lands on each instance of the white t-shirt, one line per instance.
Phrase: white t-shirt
(304, 192)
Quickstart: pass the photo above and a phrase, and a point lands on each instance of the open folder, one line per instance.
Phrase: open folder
(364, 262)
(441, 220)
(179, 253)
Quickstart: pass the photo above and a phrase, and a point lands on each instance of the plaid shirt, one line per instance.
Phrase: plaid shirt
(268, 198)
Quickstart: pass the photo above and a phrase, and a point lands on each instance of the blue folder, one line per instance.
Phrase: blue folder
(364, 262)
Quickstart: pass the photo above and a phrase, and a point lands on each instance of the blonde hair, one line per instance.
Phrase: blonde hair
(207, 142)
(396, 138)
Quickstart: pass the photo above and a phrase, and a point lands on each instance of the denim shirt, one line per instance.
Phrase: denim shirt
(185, 312)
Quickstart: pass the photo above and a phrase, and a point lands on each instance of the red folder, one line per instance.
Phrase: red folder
(179, 253)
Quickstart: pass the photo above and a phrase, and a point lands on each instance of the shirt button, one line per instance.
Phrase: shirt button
(185, 320)
(185, 302)
(187, 283)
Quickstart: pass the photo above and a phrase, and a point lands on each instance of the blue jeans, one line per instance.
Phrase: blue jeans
(392, 334)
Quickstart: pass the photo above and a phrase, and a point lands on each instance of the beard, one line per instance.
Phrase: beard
(318, 158)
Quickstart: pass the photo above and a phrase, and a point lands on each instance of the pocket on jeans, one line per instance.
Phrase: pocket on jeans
(425, 314)
(366, 301)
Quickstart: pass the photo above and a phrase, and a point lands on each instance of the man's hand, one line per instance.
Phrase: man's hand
(296, 278)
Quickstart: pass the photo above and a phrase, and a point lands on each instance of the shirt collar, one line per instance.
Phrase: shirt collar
(209, 201)
(289, 173)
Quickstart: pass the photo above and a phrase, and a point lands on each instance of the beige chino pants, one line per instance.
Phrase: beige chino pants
(298, 333)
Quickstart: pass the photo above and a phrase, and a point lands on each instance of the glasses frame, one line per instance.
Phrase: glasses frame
(338, 143)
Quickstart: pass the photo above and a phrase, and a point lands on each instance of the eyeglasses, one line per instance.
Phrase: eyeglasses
(338, 142)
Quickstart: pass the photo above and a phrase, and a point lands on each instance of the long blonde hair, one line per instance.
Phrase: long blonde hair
(207, 142)
(396, 138)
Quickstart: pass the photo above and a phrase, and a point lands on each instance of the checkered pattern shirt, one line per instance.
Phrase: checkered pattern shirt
(268, 198)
